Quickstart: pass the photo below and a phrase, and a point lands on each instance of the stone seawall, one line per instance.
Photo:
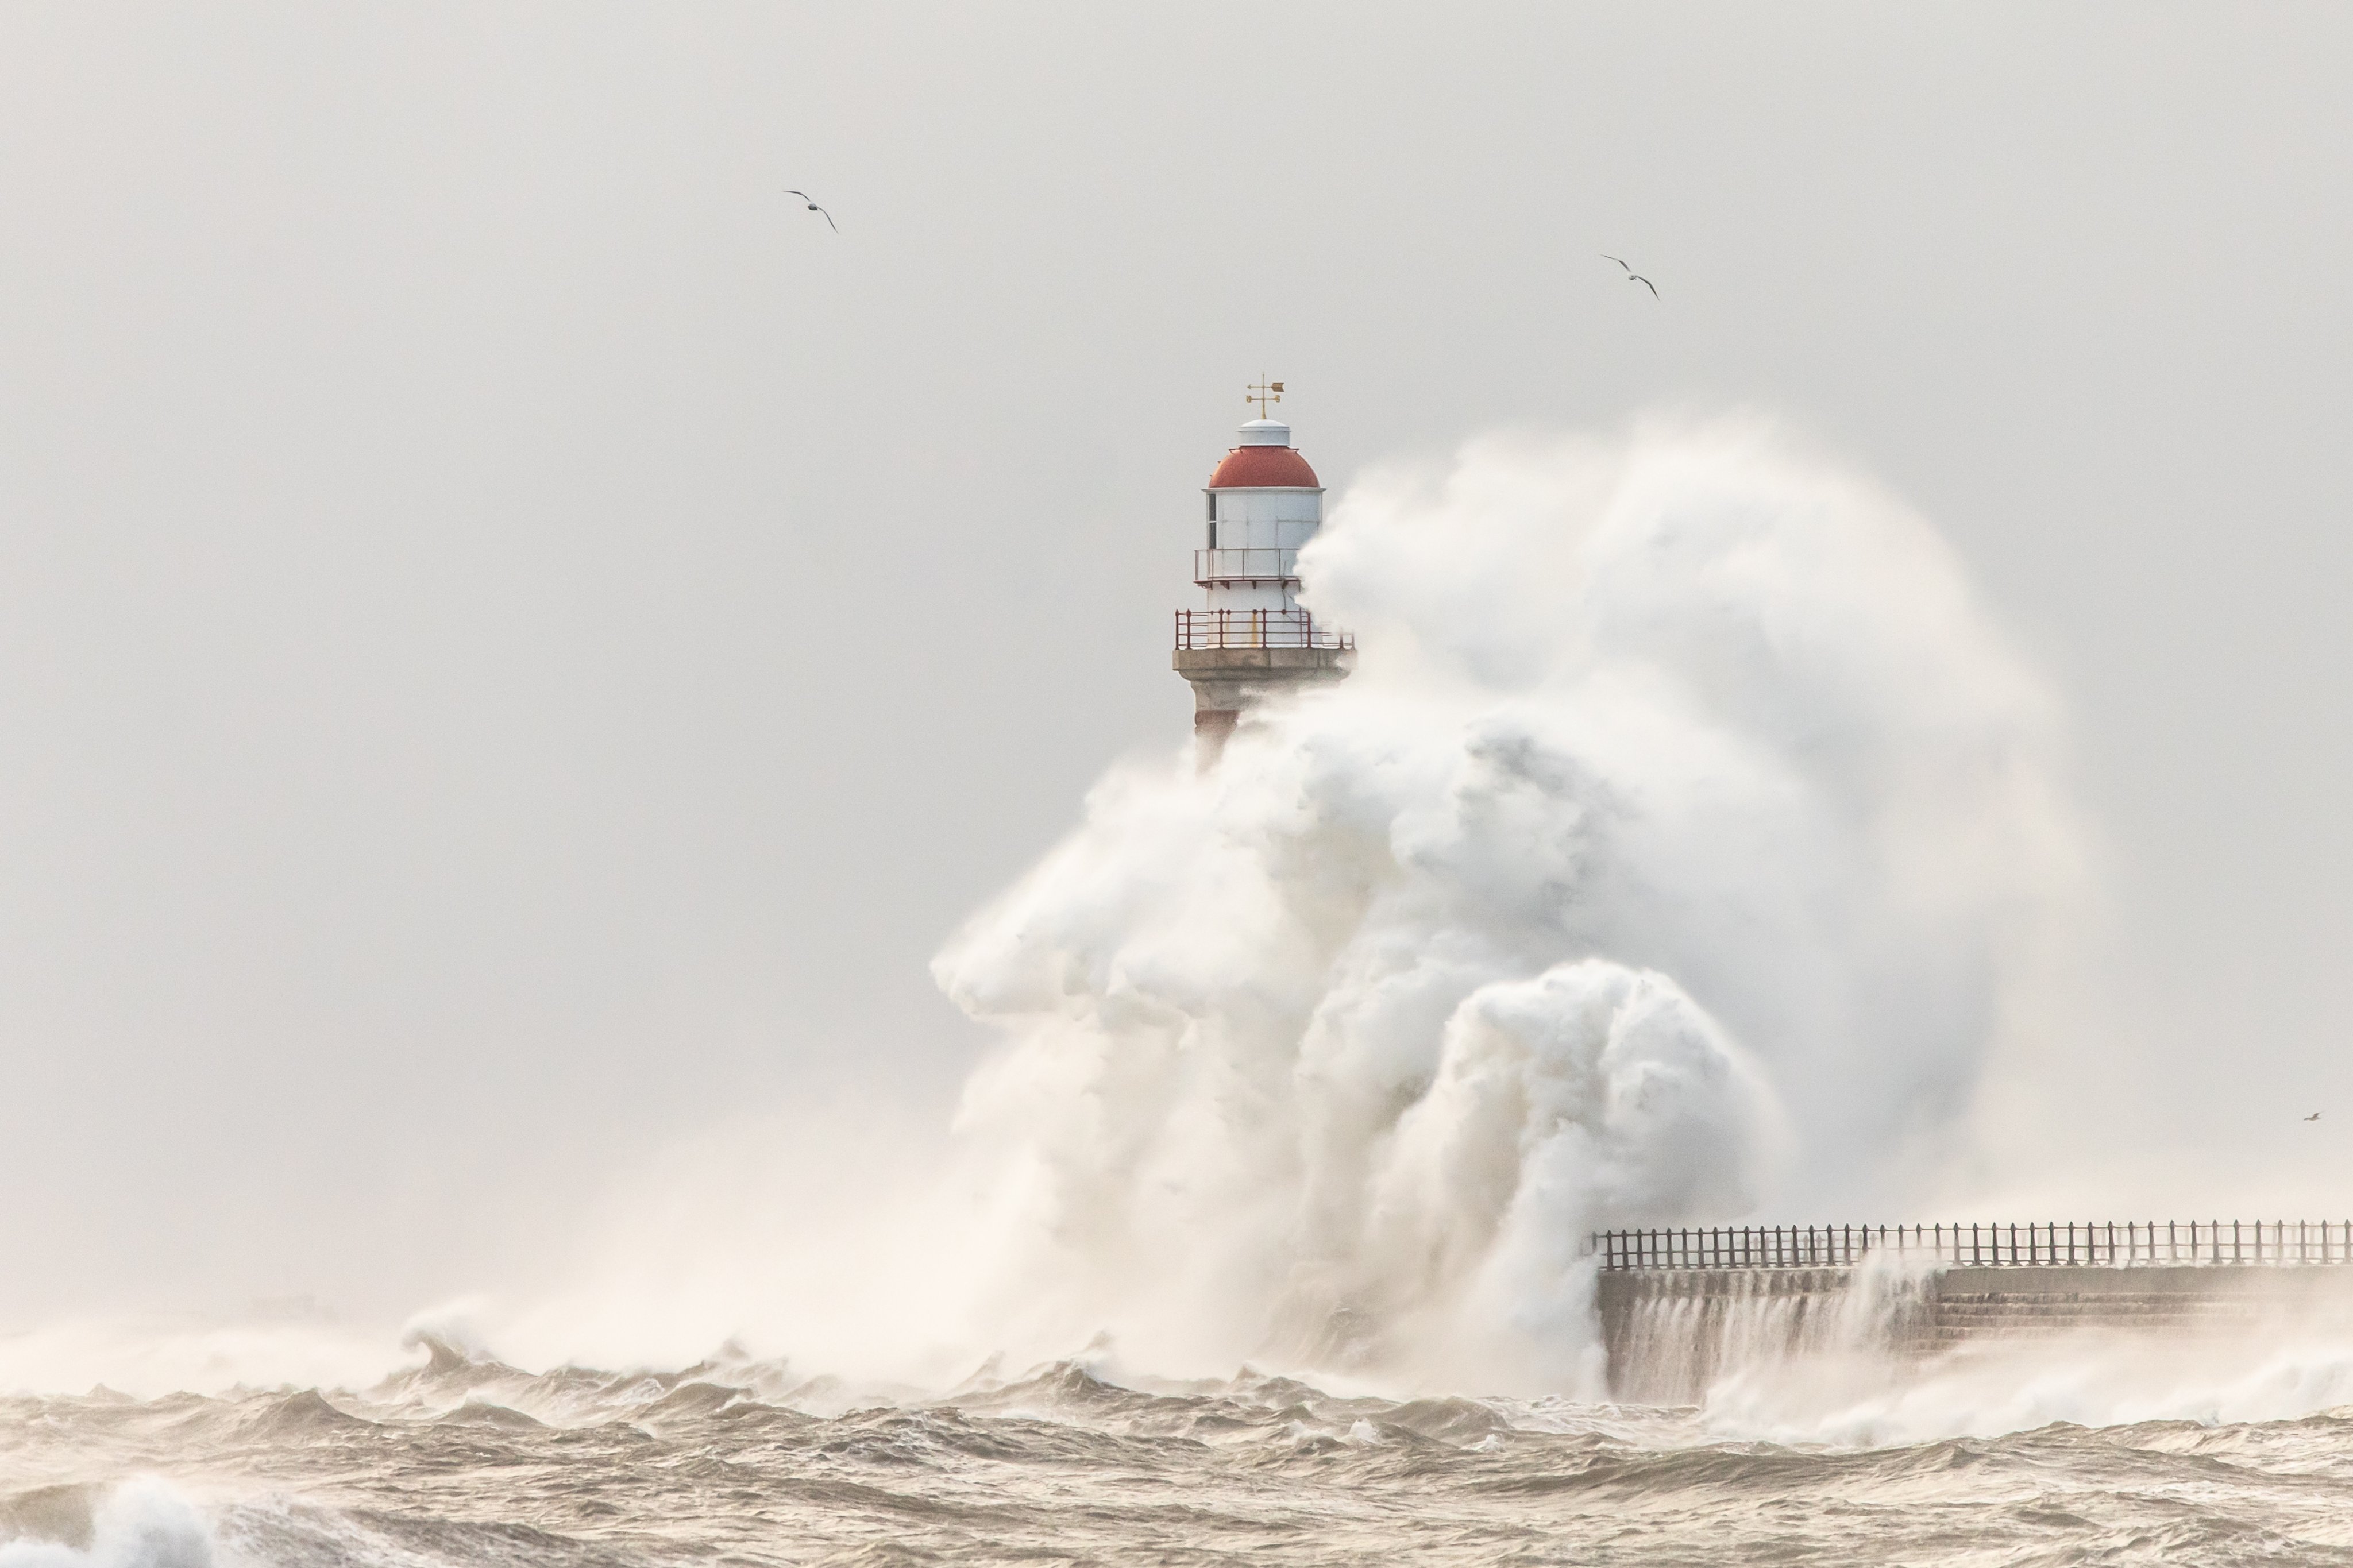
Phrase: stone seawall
(1671, 1332)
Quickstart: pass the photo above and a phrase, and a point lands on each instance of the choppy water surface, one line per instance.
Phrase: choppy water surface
(469, 1462)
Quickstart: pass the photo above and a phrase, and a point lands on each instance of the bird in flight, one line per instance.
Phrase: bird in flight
(2314, 1117)
(1634, 276)
(837, 228)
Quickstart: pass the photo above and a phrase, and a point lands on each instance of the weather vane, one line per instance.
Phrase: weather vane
(1263, 391)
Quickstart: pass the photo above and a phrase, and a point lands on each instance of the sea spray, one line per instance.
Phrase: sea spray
(140, 1523)
(1682, 845)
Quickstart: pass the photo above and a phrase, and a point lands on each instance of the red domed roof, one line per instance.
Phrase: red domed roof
(1263, 467)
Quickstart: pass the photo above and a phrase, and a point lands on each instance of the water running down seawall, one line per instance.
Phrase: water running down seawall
(1684, 1309)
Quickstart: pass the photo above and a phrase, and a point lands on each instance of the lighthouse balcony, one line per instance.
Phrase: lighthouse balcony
(1253, 565)
(1256, 628)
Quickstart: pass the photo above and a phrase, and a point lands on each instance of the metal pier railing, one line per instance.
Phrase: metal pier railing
(2028, 1245)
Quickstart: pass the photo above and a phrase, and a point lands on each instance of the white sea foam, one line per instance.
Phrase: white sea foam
(2273, 1372)
(141, 1523)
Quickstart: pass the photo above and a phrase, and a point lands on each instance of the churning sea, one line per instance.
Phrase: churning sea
(465, 1461)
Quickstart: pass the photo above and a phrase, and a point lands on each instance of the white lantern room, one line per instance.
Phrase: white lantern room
(1263, 502)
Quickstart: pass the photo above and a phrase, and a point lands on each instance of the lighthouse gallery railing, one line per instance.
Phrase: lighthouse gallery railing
(2059, 1243)
(1255, 628)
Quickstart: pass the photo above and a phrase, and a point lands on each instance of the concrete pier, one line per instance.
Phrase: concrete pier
(1228, 681)
(1679, 1310)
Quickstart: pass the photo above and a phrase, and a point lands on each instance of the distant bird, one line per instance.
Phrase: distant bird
(1634, 276)
(837, 228)
(2314, 1117)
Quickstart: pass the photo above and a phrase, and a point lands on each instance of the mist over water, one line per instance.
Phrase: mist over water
(1686, 840)
(1687, 844)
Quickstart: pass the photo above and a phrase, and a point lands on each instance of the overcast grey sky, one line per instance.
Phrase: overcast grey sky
(515, 639)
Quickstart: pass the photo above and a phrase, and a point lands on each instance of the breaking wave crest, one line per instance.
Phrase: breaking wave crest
(140, 1523)
(1683, 845)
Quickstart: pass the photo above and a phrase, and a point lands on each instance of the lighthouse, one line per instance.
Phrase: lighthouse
(1251, 641)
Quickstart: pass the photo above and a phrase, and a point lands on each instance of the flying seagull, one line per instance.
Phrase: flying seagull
(2314, 1117)
(1634, 276)
(837, 228)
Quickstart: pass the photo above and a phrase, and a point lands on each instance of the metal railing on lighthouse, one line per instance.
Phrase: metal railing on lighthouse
(1255, 628)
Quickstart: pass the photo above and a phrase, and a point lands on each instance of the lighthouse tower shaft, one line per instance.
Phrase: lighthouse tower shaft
(1251, 641)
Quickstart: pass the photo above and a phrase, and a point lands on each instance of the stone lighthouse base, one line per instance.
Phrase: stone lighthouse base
(1228, 680)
